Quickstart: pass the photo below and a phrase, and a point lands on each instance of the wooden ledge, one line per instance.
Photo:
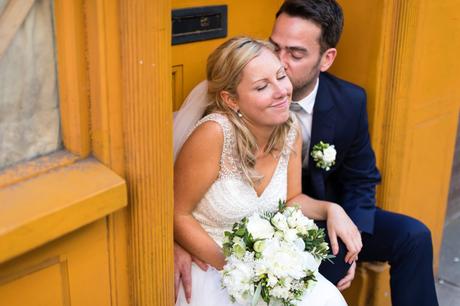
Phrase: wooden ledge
(27, 169)
(376, 266)
(38, 210)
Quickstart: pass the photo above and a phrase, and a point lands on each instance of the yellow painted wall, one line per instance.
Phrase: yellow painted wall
(361, 53)
(401, 52)
(404, 62)
(426, 106)
(254, 18)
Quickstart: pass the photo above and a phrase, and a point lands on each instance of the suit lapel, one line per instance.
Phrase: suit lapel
(322, 130)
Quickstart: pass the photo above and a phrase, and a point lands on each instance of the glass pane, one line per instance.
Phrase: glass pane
(29, 110)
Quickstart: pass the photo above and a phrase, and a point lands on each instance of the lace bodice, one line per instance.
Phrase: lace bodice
(231, 198)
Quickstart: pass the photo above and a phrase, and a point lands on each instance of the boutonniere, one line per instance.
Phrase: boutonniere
(324, 155)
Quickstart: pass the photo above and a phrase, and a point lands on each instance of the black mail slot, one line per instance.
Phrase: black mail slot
(198, 23)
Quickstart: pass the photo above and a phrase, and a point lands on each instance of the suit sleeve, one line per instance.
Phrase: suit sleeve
(358, 175)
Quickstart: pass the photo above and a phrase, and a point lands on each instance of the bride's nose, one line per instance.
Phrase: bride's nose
(280, 90)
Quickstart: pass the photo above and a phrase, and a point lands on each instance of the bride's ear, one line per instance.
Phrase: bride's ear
(229, 99)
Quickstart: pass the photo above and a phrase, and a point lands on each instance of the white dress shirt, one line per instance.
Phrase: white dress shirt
(304, 111)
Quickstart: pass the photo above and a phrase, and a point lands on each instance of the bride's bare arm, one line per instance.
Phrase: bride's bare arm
(196, 168)
(338, 222)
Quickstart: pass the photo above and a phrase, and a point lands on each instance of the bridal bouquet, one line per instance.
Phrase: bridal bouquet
(274, 256)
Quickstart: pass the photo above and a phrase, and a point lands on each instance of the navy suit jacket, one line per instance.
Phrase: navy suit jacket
(340, 118)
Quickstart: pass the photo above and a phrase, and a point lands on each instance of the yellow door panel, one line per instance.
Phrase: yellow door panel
(41, 285)
(73, 270)
(413, 104)
(427, 173)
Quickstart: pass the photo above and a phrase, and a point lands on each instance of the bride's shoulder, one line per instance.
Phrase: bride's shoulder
(209, 138)
(206, 139)
(216, 121)
(211, 128)
(219, 118)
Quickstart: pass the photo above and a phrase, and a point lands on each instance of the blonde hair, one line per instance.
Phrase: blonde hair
(224, 72)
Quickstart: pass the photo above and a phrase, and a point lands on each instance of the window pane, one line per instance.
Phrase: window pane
(29, 110)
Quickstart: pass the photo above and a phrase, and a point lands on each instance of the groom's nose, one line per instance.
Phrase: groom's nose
(283, 54)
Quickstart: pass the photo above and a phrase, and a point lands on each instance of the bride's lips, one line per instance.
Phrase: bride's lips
(282, 104)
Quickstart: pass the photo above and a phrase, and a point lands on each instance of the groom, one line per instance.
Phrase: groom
(333, 111)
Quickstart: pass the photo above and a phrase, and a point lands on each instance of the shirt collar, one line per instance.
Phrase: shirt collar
(308, 102)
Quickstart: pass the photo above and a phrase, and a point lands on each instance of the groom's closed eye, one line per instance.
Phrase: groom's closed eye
(296, 52)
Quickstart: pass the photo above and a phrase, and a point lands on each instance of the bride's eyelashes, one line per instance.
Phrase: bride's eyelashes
(260, 88)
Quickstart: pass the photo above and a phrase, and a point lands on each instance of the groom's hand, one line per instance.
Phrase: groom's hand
(183, 270)
(339, 225)
(345, 282)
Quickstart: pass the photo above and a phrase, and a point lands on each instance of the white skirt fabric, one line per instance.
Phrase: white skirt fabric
(207, 291)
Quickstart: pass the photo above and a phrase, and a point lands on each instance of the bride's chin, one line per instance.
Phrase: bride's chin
(284, 117)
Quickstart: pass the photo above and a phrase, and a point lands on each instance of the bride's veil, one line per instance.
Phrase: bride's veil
(188, 115)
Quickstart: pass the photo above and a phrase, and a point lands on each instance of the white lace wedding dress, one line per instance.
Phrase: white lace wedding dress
(228, 200)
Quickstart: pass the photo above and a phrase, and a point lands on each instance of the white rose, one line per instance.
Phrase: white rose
(295, 217)
(304, 224)
(329, 154)
(283, 259)
(290, 234)
(300, 244)
(309, 261)
(259, 228)
(279, 221)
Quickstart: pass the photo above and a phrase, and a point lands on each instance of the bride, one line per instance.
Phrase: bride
(241, 158)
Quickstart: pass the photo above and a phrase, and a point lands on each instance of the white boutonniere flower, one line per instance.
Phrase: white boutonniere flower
(324, 155)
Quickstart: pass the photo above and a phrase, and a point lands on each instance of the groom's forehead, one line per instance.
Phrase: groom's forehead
(296, 30)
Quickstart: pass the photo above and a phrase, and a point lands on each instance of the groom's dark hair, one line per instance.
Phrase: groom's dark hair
(327, 14)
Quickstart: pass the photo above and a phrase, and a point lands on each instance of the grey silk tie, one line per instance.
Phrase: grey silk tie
(299, 111)
(295, 107)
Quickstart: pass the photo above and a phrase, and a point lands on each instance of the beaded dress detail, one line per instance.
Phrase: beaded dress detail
(231, 197)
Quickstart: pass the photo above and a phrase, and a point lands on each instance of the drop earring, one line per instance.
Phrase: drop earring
(240, 115)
